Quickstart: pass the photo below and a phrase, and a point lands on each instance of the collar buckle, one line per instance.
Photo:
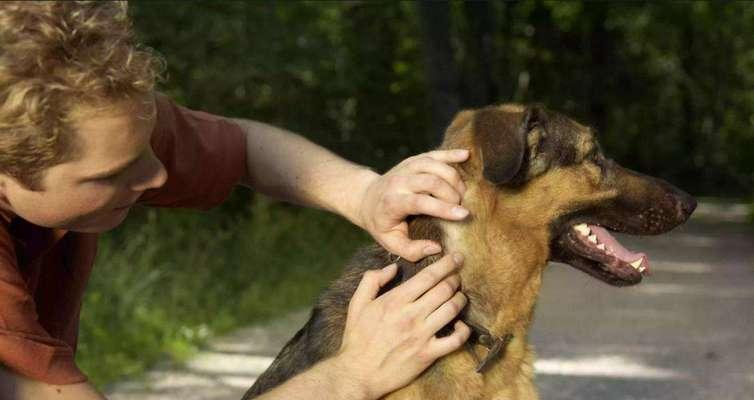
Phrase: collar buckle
(496, 346)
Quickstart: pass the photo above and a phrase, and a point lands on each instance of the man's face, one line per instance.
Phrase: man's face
(94, 192)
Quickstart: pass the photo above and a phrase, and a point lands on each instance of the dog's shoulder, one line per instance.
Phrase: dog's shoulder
(321, 336)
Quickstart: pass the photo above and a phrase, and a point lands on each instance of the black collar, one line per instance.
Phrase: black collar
(496, 345)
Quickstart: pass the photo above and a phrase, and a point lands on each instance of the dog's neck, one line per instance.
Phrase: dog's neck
(500, 278)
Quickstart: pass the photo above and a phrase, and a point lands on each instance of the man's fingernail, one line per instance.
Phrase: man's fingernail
(460, 212)
(458, 258)
(432, 249)
(461, 153)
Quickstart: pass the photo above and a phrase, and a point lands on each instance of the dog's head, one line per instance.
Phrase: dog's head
(546, 173)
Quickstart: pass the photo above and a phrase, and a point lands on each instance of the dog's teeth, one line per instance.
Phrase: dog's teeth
(582, 229)
(601, 246)
(641, 269)
(636, 264)
(592, 238)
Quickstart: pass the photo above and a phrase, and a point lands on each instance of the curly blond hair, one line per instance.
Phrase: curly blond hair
(55, 58)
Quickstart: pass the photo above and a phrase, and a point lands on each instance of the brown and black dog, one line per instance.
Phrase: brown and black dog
(539, 189)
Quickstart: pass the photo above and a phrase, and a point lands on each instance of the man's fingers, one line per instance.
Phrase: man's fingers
(416, 204)
(446, 312)
(449, 156)
(437, 187)
(428, 164)
(370, 286)
(398, 242)
(439, 347)
(435, 297)
(427, 278)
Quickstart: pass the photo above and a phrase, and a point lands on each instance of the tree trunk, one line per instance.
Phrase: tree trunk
(442, 75)
(599, 42)
(478, 86)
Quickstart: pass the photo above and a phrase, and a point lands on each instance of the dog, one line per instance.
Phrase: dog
(539, 189)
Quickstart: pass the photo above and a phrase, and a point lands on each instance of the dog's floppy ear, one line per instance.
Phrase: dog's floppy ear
(501, 137)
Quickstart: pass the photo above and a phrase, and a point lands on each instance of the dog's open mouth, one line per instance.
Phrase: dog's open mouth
(595, 251)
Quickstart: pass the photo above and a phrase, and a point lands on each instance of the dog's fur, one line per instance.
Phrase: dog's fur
(531, 176)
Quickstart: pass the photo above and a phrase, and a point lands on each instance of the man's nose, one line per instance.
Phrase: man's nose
(155, 180)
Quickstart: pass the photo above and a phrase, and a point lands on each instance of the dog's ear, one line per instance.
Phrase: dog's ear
(502, 139)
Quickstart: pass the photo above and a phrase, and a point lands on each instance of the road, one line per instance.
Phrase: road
(686, 332)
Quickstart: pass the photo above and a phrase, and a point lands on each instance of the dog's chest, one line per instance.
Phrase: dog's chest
(454, 378)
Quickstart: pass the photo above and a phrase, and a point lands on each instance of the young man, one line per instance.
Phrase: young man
(83, 137)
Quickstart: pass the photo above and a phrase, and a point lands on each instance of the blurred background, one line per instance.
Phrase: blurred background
(669, 86)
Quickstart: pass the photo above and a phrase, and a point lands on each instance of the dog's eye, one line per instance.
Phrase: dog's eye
(601, 162)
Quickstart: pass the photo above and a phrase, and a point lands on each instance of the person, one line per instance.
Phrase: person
(84, 136)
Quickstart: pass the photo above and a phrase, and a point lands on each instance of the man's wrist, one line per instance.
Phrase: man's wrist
(345, 381)
(355, 193)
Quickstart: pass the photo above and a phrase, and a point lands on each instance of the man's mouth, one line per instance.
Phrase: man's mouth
(124, 207)
(130, 204)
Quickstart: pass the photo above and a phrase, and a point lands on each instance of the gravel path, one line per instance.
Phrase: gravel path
(684, 333)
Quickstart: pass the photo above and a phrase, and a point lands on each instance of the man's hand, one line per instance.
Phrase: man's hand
(422, 184)
(389, 340)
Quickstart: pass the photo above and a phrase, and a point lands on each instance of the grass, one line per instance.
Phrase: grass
(167, 280)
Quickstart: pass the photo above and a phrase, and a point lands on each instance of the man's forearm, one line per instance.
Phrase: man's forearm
(327, 380)
(16, 387)
(289, 167)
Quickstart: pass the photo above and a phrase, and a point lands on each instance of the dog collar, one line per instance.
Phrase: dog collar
(496, 345)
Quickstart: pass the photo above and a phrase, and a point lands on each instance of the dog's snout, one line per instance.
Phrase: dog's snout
(686, 204)
(689, 205)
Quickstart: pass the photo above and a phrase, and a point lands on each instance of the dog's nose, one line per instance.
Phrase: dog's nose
(689, 205)
(686, 204)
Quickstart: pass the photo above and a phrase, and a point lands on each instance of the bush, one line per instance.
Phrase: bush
(168, 279)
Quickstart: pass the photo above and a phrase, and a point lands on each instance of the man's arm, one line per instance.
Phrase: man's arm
(289, 167)
(326, 380)
(17, 387)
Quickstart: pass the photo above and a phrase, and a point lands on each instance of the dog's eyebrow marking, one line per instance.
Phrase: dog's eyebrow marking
(593, 149)
(585, 145)
(512, 108)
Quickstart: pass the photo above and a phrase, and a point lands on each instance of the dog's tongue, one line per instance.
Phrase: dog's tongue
(603, 236)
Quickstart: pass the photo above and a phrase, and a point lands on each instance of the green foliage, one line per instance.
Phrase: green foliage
(347, 76)
(168, 279)
(669, 85)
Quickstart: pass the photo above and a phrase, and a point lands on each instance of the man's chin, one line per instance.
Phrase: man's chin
(102, 223)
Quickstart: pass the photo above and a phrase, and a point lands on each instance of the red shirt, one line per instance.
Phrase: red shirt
(43, 271)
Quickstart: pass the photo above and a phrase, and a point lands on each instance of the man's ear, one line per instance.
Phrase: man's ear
(501, 137)
(4, 203)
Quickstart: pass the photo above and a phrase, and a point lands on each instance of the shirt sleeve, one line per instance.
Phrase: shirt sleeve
(204, 155)
(25, 346)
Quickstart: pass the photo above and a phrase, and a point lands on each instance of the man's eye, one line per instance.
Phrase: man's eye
(110, 177)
